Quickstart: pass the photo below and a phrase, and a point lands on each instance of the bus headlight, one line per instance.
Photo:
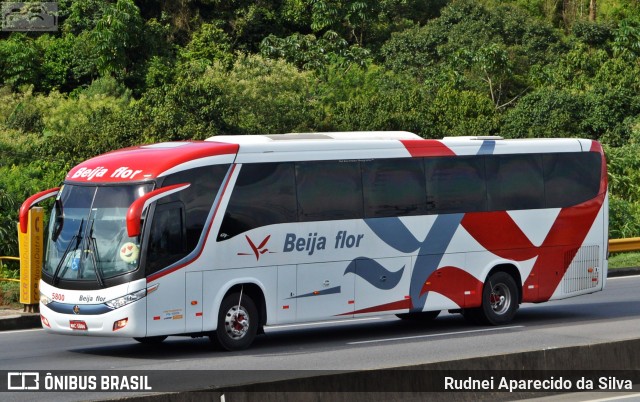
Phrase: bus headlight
(44, 299)
(126, 299)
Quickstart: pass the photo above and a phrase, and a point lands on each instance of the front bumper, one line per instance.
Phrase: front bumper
(97, 324)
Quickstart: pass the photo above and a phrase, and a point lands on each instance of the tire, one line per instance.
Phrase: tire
(499, 300)
(237, 328)
(151, 340)
(422, 316)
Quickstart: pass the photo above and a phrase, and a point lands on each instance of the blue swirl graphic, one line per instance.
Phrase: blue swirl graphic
(430, 251)
(374, 273)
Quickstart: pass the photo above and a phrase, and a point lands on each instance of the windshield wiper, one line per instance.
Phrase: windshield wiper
(93, 250)
(77, 238)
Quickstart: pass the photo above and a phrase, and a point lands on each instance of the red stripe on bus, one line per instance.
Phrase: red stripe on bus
(397, 305)
(419, 148)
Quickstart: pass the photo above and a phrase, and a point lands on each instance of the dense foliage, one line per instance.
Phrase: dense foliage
(124, 72)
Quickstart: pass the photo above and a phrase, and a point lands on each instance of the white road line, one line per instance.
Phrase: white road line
(308, 324)
(615, 398)
(613, 278)
(435, 335)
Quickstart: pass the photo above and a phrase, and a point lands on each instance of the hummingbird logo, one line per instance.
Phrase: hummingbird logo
(257, 250)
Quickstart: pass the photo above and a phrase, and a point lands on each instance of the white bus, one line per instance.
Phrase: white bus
(227, 236)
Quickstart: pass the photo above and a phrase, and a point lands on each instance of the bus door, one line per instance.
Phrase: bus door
(167, 245)
(166, 307)
(194, 302)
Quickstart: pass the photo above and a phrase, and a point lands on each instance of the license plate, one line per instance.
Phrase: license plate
(78, 325)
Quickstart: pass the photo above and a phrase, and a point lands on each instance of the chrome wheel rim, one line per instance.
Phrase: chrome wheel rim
(236, 322)
(500, 298)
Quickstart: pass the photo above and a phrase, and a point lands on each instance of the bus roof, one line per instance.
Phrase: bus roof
(343, 136)
(382, 144)
(148, 162)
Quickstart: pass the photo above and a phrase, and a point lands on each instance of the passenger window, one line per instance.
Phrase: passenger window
(329, 190)
(515, 182)
(455, 185)
(571, 178)
(393, 187)
(264, 194)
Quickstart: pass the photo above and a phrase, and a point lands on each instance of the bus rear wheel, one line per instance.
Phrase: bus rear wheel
(499, 301)
(237, 322)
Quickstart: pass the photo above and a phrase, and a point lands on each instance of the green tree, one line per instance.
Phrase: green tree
(624, 188)
(117, 32)
(8, 231)
(81, 15)
(545, 112)
(20, 61)
(626, 40)
(311, 53)
(209, 43)
(256, 95)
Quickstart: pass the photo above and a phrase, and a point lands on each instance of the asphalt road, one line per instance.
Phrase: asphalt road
(372, 343)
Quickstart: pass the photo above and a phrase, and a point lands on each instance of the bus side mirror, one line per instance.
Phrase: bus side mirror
(30, 202)
(134, 214)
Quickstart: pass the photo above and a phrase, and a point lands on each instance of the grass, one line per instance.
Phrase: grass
(9, 291)
(624, 260)
(9, 294)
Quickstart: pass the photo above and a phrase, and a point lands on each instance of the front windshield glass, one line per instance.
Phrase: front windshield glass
(87, 236)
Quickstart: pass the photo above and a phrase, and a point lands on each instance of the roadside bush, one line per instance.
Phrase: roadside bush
(9, 294)
(624, 218)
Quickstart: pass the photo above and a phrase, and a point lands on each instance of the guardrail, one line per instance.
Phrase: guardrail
(11, 259)
(619, 245)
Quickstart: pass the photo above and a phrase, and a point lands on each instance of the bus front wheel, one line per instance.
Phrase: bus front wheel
(237, 322)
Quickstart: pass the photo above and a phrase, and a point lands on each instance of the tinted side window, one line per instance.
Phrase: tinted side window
(197, 198)
(167, 239)
(455, 184)
(515, 182)
(571, 178)
(393, 187)
(329, 190)
(264, 194)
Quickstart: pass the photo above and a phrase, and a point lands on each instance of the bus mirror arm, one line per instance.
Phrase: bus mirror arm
(30, 202)
(136, 209)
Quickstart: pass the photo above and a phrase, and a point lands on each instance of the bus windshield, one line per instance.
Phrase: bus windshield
(87, 236)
